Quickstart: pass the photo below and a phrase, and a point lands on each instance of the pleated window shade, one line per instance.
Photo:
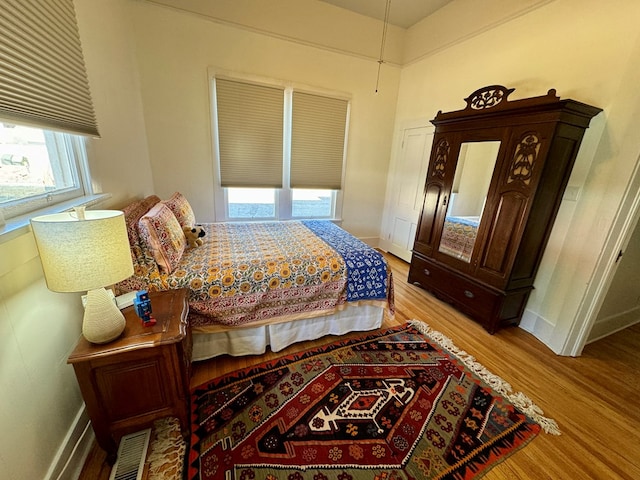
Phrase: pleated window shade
(250, 134)
(317, 141)
(43, 80)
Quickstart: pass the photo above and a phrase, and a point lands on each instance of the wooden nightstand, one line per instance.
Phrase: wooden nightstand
(140, 377)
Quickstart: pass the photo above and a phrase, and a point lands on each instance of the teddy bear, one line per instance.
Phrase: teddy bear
(194, 235)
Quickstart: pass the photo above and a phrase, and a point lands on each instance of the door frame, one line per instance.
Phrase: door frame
(624, 224)
(396, 150)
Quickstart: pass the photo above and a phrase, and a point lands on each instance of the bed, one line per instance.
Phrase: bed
(257, 284)
(459, 236)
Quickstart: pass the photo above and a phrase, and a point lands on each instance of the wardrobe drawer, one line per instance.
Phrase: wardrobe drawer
(470, 297)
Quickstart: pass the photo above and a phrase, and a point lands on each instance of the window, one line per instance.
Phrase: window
(251, 203)
(279, 151)
(38, 168)
(307, 203)
(264, 204)
(44, 85)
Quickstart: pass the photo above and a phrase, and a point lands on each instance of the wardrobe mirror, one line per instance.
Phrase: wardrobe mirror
(474, 169)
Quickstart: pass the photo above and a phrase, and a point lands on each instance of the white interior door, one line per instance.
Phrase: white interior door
(407, 190)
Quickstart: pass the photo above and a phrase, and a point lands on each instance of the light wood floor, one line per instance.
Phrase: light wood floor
(594, 398)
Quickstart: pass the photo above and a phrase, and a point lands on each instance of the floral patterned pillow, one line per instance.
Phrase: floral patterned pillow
(132, 214)
(163, 236)
(181, 208)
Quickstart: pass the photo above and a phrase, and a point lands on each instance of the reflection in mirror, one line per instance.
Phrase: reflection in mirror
(476, 162)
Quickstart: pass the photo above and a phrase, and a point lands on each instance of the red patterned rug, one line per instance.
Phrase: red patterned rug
(402, 403)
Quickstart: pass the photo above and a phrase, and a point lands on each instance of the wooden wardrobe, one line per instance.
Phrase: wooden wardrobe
(497, 173)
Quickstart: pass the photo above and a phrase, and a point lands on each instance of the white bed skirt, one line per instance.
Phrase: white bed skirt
(239, 341)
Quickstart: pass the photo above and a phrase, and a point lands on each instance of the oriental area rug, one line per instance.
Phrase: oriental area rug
(401, 403)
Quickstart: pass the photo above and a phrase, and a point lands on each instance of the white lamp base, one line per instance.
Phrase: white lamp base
(103, 321)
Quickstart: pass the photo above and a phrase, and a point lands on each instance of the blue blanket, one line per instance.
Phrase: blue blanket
(366, 268)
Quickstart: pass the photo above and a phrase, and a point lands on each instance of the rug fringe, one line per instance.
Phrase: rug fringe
(167, 450)
(520, 400)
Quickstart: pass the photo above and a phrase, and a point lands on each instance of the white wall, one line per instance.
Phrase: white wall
(573, 46)
(40, 399)
(40, 396)
(175, 50)
(458, 21)
(312, 22)
(119, 160)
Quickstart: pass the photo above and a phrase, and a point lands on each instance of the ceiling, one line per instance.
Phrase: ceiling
(402, 13)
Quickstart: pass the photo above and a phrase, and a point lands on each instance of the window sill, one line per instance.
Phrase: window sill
(337, 221)
(20, 225)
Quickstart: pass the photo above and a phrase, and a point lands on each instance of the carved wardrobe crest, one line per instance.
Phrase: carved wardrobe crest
(496, 177)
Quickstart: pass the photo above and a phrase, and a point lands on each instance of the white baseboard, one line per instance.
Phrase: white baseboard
(74, 449)
(537, 326)
(384, 245)
(373, 242)
(613, 324)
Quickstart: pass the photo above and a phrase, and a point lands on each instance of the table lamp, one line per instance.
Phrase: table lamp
(87, 251)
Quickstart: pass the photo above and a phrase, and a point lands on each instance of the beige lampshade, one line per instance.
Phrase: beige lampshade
(79, 255)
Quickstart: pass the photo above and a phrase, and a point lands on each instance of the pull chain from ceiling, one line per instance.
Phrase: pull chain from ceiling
(384, 38)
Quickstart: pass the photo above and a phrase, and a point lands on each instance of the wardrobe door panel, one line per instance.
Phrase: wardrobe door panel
(545, 206)
(470, 184)
(502, 239)
(425, 236)
(441, 166)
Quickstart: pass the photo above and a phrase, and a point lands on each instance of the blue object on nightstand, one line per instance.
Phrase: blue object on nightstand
(142, 305)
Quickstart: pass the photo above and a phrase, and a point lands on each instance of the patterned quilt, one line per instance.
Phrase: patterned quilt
(252, 272)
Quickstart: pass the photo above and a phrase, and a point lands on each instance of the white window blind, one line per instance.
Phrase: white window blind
(43, 81)
(317, 141)
(250, 134)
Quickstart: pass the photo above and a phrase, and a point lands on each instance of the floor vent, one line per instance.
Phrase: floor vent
(132, 453)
